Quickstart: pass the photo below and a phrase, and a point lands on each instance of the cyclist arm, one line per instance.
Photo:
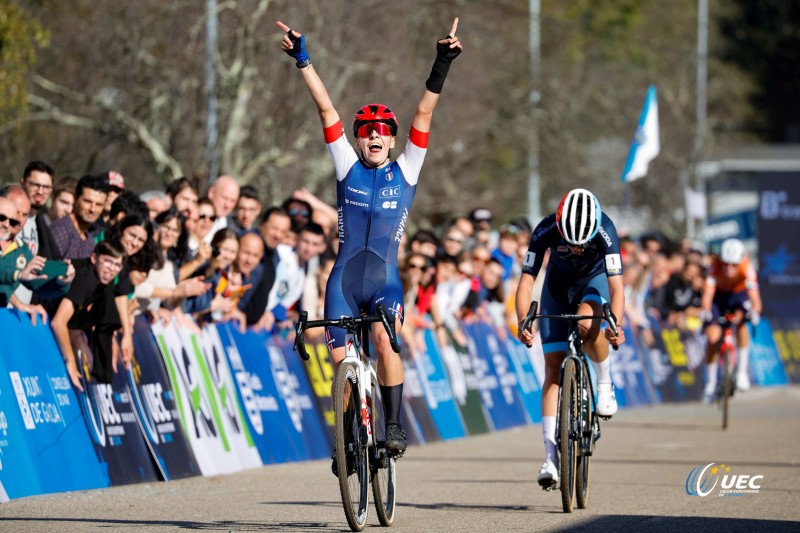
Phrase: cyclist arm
(755, 298)
(447, 50)
(523, 301)
(319, 94)
(616, 290)
(709, 289)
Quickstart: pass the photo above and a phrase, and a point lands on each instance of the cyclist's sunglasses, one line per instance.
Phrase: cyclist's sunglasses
(366, 129)
(14, 222)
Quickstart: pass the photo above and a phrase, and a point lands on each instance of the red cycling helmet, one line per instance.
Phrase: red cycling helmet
(374, 113)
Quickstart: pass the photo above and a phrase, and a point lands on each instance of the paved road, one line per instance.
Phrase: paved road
(486, 483)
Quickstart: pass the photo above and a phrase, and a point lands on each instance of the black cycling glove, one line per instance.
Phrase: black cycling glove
(444, 56)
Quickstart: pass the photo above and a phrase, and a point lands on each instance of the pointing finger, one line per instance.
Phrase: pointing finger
(282, 26)
(453, 29)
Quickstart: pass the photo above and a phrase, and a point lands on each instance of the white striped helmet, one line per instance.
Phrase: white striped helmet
(578, 216)
(732, 251)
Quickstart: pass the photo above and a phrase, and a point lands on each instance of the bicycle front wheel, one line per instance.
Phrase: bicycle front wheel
(582, 467)
(727, 386)
(382, 465)
(568, 444)
(351, 447)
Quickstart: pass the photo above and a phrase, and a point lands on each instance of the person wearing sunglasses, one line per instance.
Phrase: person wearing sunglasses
(374, 196)
(27, 297)
(583, 273)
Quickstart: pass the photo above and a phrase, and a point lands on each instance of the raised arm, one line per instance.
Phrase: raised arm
(447, 50)
(294, 44)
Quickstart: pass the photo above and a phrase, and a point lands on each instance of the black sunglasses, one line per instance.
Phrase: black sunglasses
(212, 218)
(14, 222)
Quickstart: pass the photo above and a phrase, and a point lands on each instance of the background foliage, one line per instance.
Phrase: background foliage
(90, 85)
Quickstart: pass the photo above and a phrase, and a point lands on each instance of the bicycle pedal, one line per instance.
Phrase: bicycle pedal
(603, 417)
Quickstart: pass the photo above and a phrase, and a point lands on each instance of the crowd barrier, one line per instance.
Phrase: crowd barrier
(213, 401)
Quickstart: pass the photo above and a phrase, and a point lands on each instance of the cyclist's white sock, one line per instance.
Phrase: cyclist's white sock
(711, 373)
(744, 356)
(549, 432)
(603, 370)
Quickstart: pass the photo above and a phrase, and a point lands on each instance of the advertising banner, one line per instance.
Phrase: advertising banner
(778, 244)
(40, 416)
(437, 391)
(529, 388)
(628, 374)
(498, 384)
(685, 383)
(198, 408)
(280, 410)
(420, 421)
(111, 422)
(296, 391)
(786, 334)
(319, 369)
(156, 409)
(464, 381)
(221, 387)
(765, 363)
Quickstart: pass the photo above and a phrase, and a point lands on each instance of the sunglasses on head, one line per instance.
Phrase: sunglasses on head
(14, 222)
(212, 218)
(366, 129)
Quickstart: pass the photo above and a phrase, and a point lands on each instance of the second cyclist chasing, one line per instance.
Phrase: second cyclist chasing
(584, 272)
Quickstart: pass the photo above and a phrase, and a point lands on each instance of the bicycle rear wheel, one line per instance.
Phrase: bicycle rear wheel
(382, 465)
(351, 447)
(567, 442)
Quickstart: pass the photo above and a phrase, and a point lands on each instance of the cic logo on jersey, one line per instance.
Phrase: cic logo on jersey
(702, 481)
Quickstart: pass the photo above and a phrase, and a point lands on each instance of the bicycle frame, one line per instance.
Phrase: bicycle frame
(356, 353)
(355, 375)
(727, 363)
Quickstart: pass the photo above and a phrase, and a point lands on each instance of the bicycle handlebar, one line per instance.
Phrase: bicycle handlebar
(607, 315)
(346, 322)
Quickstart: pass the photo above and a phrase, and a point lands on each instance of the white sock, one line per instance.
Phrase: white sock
(603, 371)
(549, 433)
(744, 356)
(711, 374)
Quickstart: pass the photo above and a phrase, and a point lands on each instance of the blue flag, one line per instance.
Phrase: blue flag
(646, 144)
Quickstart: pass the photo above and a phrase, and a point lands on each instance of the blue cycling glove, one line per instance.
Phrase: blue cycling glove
(298, 50)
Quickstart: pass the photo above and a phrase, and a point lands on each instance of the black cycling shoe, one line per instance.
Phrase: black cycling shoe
(396, 440)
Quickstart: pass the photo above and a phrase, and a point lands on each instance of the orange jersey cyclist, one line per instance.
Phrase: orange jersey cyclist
(731, 287)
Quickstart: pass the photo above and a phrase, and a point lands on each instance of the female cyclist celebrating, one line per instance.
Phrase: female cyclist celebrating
(374, 196)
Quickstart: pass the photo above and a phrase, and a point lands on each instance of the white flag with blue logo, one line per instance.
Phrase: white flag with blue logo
(646, 144)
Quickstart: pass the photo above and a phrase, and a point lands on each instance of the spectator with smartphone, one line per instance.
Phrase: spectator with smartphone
(27, 297)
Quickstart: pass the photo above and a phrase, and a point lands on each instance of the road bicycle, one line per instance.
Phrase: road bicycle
(727, 364)
(577, 423)
(360, 430)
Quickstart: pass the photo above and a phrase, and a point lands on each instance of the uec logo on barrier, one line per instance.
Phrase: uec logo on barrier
(702, 481)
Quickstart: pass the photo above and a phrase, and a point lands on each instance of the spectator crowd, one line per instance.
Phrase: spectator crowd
(88, 255)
